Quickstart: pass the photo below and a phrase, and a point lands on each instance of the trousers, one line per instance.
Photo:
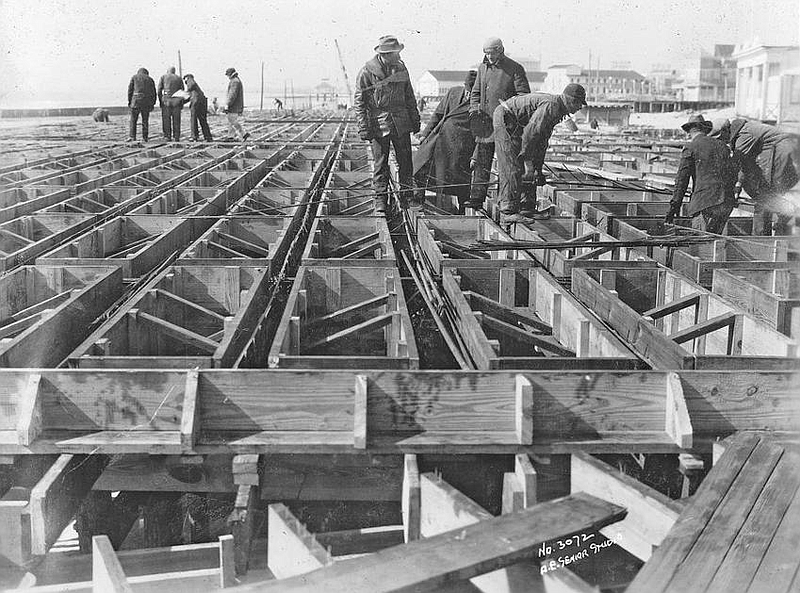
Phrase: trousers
(402, 154)
(135, 112)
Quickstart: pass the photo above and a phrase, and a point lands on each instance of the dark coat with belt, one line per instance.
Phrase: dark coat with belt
(235, 98)
(384, 100)
(448, 144)
(763, 155)
(141, 91)
(168, 85)
(708, 163)
(496, 82)
(532, 118)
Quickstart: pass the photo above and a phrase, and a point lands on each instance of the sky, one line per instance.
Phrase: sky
(82, 53)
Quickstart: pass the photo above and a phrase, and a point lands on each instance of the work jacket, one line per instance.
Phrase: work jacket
(197, 99)
(168, 85)
(707, 162)
(763, 157)
(384, 100)
(141, 91)
(495, 82)
(532, 117)
(235, 98)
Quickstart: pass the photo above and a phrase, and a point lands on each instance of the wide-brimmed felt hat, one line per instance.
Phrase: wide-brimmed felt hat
(575, 91)
(697, 121)
(720, 126)
(388, 44)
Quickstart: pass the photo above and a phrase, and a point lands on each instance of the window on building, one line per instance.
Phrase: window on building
(794, 96)
(774, 69)
(759, 73)
(750, 73)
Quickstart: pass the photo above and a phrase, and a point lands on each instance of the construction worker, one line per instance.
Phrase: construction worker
(386, 112)
(171, 107)
(198, 108)
(707, 161)
(766, 161)
(234, 105)
(100, 115)
(499, 78)
(443, 157)
(522, 129)
(141, 100)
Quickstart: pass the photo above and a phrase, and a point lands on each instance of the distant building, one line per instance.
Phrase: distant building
(435, 83)
(599, 84)
(768, 82)
(663, 78)
(710, 78)
(325, 89)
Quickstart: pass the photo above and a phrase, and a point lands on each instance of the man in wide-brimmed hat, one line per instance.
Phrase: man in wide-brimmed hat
(386, 111)
(499, 78)
(707, 162)
(766, 160)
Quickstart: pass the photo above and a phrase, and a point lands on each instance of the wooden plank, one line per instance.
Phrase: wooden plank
(227, 562)
(678, 421)
(352, 310)
(180, 333)
(360, 412)
(411, 502)
(291, 549)
(650, 517)
(57, 496)
(107, 573)
(29, 415)
(190, 416)
(456, 555)
(513, 497)
(369, 325)
(524, 410)
(704, 327)
(526, 474)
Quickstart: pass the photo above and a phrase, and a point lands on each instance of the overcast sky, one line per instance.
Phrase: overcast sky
(81, 52)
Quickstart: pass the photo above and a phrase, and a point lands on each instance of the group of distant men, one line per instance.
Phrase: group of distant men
(172, 93)
(496, 113)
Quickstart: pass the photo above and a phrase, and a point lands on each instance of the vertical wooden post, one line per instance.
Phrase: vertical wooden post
(691, 466)
(107, 573)
(227, 562)
(411, 498)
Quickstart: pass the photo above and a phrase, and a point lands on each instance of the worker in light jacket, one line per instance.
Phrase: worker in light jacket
(707, 163)
(499, 78)
(386, 112)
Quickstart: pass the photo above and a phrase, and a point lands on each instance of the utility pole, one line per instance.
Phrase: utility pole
(262, 86)
(180, 66)
(291, 83)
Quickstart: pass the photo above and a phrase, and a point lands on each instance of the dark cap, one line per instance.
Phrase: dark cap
(697, 121)
(230, 71)
(188, 75)
(575, 91)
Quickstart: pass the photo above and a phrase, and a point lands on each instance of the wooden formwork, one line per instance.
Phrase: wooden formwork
(699, 261)
(771, 296)
(17, 202)
(188, 316)
(243, 241)
(23, 239)
(45, 311)
(516, 316)
(349, 240)
(673, 322)
(345, 317)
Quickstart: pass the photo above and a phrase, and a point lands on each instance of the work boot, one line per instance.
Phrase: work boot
(515, 217)
(530, 211)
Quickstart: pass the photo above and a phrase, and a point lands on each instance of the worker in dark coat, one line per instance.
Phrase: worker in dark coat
(171, 107)
(141, 100)
(234, 105)
(707, 162)
(386, 112)
(766, 162)
(198, 108)
(442, 160)
(499, 78)
(522, 129)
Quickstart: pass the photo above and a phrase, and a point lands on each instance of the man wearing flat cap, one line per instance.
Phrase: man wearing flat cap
(707, 162)
(499, 78)
(386, 112)
(234, 105)
(522, 129)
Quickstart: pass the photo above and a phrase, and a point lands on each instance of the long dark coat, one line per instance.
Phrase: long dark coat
(707, 162)
(443, 157)
(495, 83)
(384, 98)
(141, 91)
(764, 155)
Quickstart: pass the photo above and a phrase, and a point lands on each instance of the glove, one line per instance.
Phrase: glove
(364, 135)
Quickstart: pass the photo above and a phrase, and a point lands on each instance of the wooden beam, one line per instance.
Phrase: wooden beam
(190, 416)
(342, 250)
(705, 327)
(523, 411)
(347, 312)
(673, 306)
(503, 313)
(160, 292)
(360, 412)
(369, 325)
(262, 251)
(651, 514)
(180, 333)
(544, 342)
(29, 414)
(56, 497)
(291, 549)
(227, 562)
(411, 498)
(107, 573)
(678, 421)
(513, 496)
(456, 555)
(526, 474)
